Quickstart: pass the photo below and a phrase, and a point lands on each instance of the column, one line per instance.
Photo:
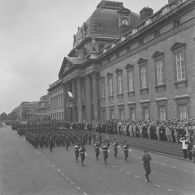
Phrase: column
(65, 102)
(88, 97)
(73, 101)
(95, 96)
(79, 101)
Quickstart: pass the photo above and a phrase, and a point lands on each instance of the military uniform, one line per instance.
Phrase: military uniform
(115, 147)
(146, 163)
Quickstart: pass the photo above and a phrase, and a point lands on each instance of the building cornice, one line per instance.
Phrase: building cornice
(150, 43)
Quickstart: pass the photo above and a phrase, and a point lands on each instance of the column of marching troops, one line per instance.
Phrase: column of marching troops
(51, 136)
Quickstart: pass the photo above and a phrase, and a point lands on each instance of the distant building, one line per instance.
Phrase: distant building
(26, 108)
(43, 110)
(129, 66)
(56, 100)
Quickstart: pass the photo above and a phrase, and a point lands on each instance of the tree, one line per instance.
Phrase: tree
(3, 116)
(12, 116)
(25, 114)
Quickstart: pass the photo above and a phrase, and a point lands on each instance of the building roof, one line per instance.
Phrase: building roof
(104, 22)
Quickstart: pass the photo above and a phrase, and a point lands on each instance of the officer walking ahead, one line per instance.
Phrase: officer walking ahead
(82, 151)
(146, 158)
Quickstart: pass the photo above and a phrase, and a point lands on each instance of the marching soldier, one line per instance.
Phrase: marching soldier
(76, 149)
(125, 149)
(97, 149)
(146, 163)
(115, 147)
(51, 143)
(105, 151)
(82, 151)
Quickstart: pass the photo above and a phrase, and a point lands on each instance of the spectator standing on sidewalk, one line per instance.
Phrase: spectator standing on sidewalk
(184, 146)
(168, 133)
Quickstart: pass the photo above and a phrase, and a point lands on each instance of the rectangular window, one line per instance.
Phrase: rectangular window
(146, 113)
(162, 113)
(143, 75)
(110, 85)
(119, 83)
(103, 116)
(159, 72)
(183, 111)
(180, 66)
(102, 87)
(112, 114)
(121, 114)
(132, 114)
(130, 80)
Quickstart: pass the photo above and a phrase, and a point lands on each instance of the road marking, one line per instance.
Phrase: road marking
(136, 176)
(84, 193)
(52, 165)
(163, 164)
(173, 167)
(120, 169)
(157, 185)
(67, 178)
(113, 166)
(78, 188)
(72, 182)
(170, 190)
(59, 170)
(127, 172)
(62, 174)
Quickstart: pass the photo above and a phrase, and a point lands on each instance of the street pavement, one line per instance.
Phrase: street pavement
(27, 171)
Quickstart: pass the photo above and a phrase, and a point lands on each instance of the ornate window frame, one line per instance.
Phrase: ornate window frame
(119, 72)
(130, 67)
(110, 76)
(162, 102)
(159, 56)
(143, 62)
(182, 100)
(179, 47)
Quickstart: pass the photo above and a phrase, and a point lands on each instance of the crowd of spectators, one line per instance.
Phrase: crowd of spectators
(175, 131)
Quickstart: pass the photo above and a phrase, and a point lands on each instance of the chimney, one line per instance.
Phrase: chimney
(145, 13)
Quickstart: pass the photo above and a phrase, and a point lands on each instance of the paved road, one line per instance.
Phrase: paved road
(24, 170)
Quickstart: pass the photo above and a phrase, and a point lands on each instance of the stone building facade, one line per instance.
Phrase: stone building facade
(56, 101)
(141, 67)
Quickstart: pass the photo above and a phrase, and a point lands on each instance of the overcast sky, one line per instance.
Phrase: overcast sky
(35, 35)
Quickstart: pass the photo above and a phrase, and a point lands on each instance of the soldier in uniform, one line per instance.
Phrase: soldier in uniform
(82, 151)
(105, 151)
(115, 147)
(51, 143)
(76, 149)
(97, 149)
(146, 158)
(125, 149)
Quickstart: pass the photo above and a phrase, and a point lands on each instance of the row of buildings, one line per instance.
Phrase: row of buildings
(34, 111)
(129, 66)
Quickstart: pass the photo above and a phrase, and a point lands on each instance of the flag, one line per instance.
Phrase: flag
(70, 94)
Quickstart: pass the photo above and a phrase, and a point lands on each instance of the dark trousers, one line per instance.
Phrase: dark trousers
(185, 154)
